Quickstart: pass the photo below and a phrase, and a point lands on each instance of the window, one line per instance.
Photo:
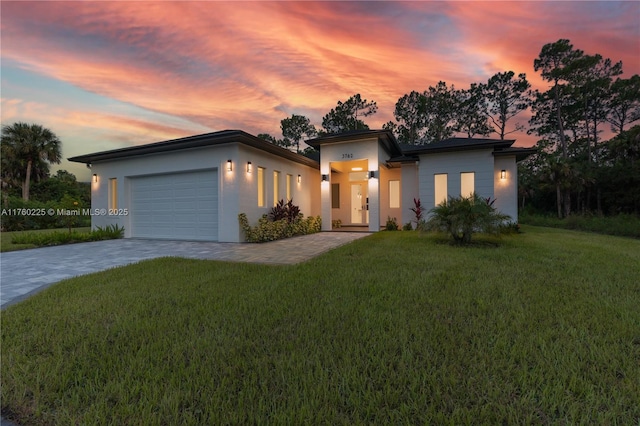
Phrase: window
(440, 183)
(113, 193)
(335, 195)
(394, 194)
(289, 179)
(467, 183)
(276, 187)
(261, 188)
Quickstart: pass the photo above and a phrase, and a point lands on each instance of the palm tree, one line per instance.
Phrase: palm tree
(28, 149)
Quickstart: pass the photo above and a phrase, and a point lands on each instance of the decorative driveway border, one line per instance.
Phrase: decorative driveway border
(25, 272)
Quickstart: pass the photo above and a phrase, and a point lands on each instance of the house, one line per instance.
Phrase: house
(193, 188)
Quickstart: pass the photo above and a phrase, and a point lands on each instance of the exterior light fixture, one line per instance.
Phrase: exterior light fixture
(503, 174)
(372, 174)
(299, 178)
(95, 177)
(229, 165)
(248, 166)
(325, 178)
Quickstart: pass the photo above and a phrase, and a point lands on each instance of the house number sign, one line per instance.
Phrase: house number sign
(347, 156)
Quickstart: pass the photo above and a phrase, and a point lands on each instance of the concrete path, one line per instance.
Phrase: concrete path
(25, 272)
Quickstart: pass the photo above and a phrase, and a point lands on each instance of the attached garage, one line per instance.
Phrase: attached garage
(178, 206)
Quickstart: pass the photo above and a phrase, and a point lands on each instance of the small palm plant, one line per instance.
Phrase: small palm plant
(462, 216)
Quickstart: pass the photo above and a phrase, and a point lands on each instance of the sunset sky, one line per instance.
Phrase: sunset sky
(105, 75)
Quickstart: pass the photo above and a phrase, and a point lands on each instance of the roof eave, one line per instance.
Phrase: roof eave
(209, 139)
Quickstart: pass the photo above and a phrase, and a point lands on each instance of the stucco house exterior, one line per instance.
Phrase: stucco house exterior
(193, 188)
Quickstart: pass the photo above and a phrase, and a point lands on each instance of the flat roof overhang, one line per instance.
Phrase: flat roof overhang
(198, 141)
(384, 137)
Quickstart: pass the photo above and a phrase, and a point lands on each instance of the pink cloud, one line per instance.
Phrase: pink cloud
(248, 65)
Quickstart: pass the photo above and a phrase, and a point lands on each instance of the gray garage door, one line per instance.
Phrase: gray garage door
(181, 206)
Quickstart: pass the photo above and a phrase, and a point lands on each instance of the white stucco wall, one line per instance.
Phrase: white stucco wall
(237, 190)
(410, 190)
(481, 162)
(506, 190)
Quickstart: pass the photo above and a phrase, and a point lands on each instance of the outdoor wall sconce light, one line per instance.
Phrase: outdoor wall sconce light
(95, 177)
(248, 166)
(503, 174)
(325, 178)
(229, 165)
(299, 178)
(372, 174)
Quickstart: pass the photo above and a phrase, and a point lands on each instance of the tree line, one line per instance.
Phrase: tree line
(574, 169)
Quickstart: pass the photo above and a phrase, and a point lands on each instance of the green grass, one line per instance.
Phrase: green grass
(6, 238)
(625, 225)
(396, 328)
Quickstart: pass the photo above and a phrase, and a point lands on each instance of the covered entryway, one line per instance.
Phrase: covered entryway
(181, 206)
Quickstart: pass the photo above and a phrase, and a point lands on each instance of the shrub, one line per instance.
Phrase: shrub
(20, 215)
(407, 227)
(270, 230)
(392, 224)
(282, 210)
(462, 216)
(335, 224)
(110, 232)
(417, 210)
(69, 209)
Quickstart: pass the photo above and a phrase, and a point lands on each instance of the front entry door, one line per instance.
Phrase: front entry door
(359, 213)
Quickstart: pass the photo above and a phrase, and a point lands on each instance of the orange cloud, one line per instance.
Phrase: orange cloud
(218, 65)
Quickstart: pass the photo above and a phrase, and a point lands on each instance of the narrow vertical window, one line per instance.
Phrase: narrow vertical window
(261, 188)
(276, 186)
(467, 183)
(289, 179)
(335, 195)
(113, 193)
(394, 194)
(440, 183)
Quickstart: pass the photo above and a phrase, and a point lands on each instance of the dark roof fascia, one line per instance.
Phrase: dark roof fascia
(198, 141)
(404, 159)
(458, 144)
(520, 153)
(385, 137)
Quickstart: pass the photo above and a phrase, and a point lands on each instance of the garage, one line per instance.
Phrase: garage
(179, 206)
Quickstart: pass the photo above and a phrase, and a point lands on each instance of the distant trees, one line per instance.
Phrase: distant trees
(573, 168)
(572, 160)
(295, 127)
(344, 116)
(505, 97)
(441, 111)
(26, 152)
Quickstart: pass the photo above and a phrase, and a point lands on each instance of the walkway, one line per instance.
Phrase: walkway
(25, 272)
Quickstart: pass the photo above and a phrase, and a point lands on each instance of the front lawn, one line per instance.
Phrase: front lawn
(395, 328)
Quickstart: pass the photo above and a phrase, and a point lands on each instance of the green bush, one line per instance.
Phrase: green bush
(270, 230)
(407, 227)
(20, 215)
(392, 224)
(462, 216)
(282, 210)
(110, 232)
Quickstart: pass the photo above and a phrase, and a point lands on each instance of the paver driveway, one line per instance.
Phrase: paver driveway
(25, 272)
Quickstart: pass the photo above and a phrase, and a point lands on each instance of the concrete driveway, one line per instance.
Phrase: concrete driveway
(25, 272)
